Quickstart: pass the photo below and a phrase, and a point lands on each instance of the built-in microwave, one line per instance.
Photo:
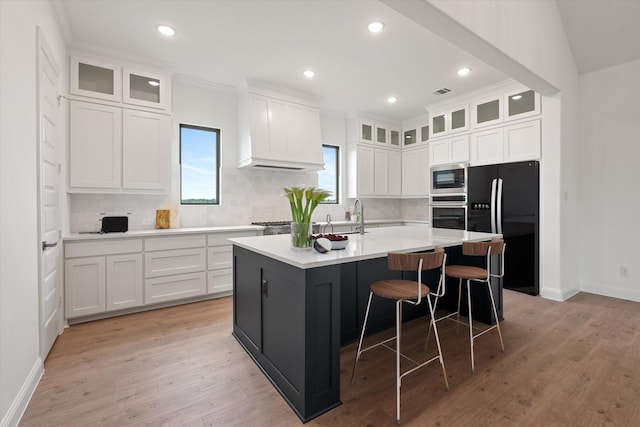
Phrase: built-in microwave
(449, 179)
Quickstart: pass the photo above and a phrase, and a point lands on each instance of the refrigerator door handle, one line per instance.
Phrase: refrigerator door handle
(493, 205)
(499, 206)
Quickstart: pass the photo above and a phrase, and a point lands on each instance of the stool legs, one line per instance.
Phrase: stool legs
(398, 373)
(495, 314)
(473, 368)
(364, 325)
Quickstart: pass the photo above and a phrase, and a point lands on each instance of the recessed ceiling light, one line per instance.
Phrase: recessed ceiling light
(376, 26)
(154, 83)
(309, 74)
(166, 30)
(392, 100)
(516, 97)
(464, 71)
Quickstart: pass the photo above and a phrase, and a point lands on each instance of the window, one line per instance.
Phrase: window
(199, 165)
(329, 178)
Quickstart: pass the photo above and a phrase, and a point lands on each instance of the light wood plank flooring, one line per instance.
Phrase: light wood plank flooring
(575, 363)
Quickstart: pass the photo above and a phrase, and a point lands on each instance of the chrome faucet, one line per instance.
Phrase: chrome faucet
(360, 225)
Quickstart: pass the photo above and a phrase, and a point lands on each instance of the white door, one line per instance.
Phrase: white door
(50, 295)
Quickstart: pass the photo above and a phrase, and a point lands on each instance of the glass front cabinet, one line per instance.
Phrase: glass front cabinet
(113, 82)
(145, 89)
(95, 79)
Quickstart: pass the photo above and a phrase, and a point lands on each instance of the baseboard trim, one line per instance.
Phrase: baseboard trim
(19, 404)
(609, 291)
(556, 294)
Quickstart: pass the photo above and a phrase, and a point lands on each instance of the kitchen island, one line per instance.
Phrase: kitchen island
(292, 310)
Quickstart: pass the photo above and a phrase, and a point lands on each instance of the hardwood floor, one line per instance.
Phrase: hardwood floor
(575, 363)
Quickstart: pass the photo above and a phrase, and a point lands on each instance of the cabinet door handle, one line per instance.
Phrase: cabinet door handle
(265, 288)
(46, 245)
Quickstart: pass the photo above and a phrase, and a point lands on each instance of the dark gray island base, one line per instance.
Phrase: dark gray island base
(292, 319)
(288, 320)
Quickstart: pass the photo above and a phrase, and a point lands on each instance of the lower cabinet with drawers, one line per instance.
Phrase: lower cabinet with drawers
(103, 276)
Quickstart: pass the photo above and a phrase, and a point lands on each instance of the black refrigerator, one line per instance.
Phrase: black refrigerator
(505, 199)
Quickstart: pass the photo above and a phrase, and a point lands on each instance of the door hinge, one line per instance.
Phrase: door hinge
(59, 300)
(59, 168)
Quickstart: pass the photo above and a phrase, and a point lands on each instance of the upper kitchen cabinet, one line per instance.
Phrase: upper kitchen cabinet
(145, 89)
(449, 121)
(520, 104)
(487, 112)
(415, 131)
(95, 146)
(116, 150)
(119, 83)
(95, 79)
(394, 137)
(366, 129)
(278, 131)
(415, 172)
(449, 150)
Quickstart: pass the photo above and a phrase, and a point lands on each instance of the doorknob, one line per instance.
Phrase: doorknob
(46, 245)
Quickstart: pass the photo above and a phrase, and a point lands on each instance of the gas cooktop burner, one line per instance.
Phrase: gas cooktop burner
(271, 223)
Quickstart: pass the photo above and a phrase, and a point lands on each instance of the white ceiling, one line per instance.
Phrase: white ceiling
(601, 33)
(226, 41)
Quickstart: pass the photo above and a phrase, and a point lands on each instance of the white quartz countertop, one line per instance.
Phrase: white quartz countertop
(217, 229)
(375, 243)
(163, 232)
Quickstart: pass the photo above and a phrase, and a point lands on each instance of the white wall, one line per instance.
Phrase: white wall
(609, 114)
(20, 364)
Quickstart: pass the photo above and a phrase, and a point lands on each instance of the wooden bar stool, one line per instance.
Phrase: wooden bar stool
(410, 292)
(478, 274)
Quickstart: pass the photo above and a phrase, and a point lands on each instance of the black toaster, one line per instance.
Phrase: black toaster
(115, 224)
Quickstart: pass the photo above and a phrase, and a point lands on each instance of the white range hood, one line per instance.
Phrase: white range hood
(277, 130)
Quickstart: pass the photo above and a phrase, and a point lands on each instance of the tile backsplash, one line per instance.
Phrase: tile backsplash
(247, 195)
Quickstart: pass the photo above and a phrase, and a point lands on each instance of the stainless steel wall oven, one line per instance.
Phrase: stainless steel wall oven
(449, 211)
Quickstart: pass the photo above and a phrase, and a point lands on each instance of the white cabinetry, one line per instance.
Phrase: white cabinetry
(394, 173)
(146, 89)
(220, 261)
(487, 147)
(102, 276)
(450, 121)
(487, 111)
(119, 128)
(119, 83)
(415, 131)
(381, 172)
(521, 103)
(374, 160)
(511, 143)
(522, 141)
(361, 170)
(449, 150)
(145, 151)
(95, 79)
(373, 172)
(415, 172)
(174, 268)
(114, 150)
(95, 146)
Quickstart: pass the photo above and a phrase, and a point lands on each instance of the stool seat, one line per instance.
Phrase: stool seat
(466, 272)
(398, 289)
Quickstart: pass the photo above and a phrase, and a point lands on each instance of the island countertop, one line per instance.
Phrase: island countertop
(375, 243)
